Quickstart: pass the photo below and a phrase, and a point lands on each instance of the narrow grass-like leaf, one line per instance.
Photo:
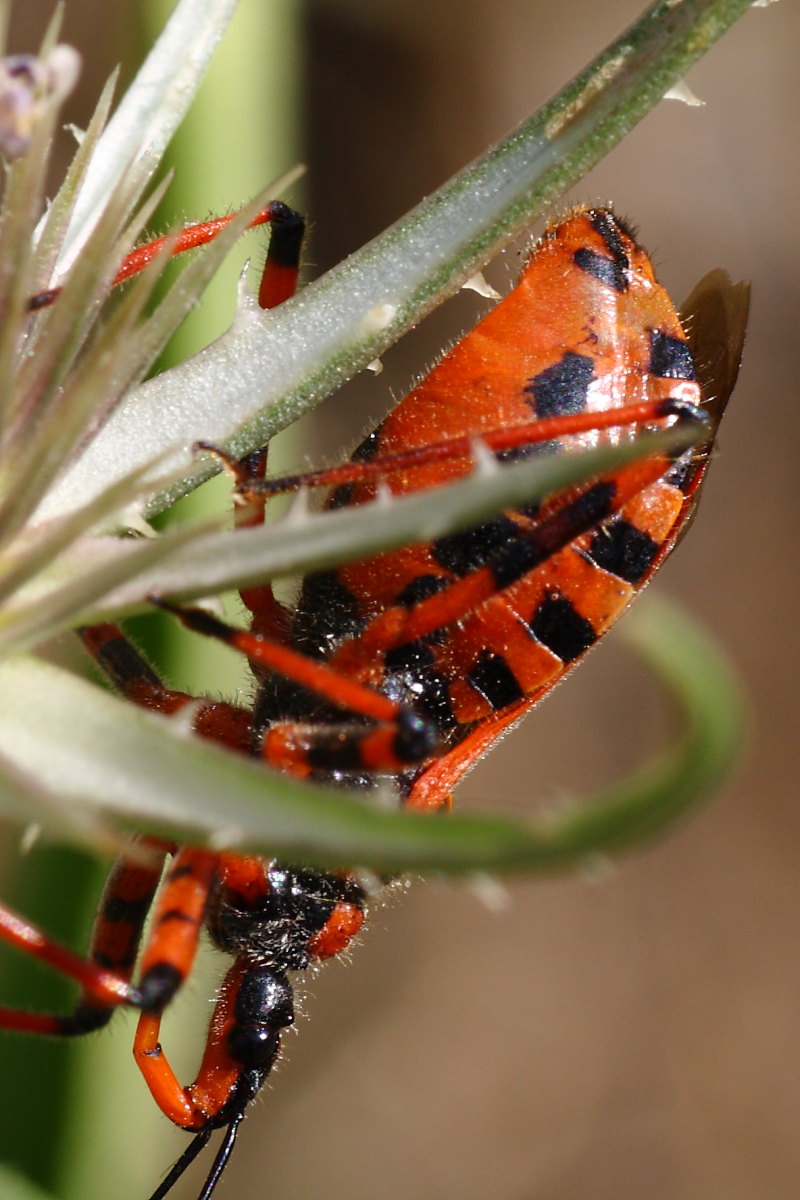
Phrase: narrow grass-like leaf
(150, 112)
(34, 807)
(39, 379)
(53, 226)
(22, 202)
(67, 603)
(51, 540)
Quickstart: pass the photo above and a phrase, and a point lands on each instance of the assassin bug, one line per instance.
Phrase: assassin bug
(409, 665)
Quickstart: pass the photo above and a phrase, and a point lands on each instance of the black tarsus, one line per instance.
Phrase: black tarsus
(287, 228)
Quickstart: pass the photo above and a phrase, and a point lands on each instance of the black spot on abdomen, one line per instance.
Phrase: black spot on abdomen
(623, 550)
(559, 626)
(670, 357)
(563, 388)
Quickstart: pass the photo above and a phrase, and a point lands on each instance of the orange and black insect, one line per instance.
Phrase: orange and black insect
(409, 665)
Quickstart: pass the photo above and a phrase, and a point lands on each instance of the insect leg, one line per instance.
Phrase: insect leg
(278, 283)
(189, 238)
(166, 962)
(249, 488)
(105, 975)
(397, 739)
(133, 676)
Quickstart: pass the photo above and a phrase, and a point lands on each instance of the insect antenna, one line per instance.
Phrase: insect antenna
(248, 1086)
(198, 1143)
(221, 1160)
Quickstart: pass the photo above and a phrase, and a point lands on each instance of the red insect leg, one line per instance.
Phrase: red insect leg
(166, 962)
(191, 238)
(397, 738)
(269, 618)
(278, 283)
(250, 489)
(102, 989)
(191, 1107)
(104, 977)
(136, 680)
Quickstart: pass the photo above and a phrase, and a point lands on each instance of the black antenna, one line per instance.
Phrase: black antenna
(248, 1085)
(223, 1154)
(191, 1152)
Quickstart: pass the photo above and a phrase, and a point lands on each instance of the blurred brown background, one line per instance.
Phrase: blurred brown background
(634, 1036)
